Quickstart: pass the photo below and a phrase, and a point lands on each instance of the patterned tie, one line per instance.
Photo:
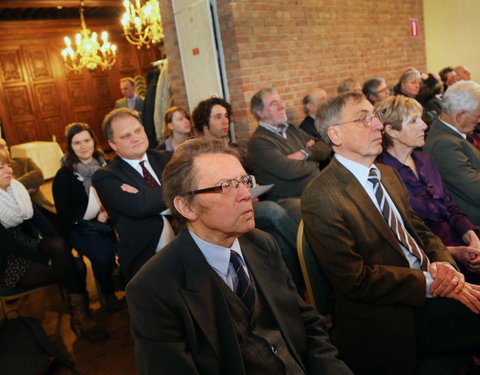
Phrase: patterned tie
(395, 225)
(244, 290)
(147, 176)
(282, 129)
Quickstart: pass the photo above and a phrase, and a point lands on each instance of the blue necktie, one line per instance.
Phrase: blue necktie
(244, 289)
(395, 225)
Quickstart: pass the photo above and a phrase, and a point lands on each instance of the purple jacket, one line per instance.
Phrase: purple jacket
(429, 198)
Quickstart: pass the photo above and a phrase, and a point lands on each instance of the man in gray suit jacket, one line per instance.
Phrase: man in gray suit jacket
(458, 161)
(281, 153)
(130, 100)
(218, 300)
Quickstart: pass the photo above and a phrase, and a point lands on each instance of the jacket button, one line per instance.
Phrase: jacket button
(274, 349)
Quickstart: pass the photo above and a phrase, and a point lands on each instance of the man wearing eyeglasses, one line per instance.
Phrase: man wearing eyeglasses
(218, 299)
(282, 154)
(458, 160)
(397, 292)
(376, 90)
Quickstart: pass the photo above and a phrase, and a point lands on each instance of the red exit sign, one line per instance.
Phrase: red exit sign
(414, 30)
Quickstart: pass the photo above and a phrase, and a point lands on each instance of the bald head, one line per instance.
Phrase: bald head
(313, 100)
(463, 73)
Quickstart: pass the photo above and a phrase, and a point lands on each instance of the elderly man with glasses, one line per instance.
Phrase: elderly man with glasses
(218, 299)
(385, 267)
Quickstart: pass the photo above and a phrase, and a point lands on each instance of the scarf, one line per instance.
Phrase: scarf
(84, 172)
(15, 205)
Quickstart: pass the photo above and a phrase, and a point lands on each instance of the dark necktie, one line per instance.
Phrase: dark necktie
(147, 176)
(244, 290)
(395, 225)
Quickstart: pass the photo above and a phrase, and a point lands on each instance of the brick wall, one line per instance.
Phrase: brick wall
(296, 45)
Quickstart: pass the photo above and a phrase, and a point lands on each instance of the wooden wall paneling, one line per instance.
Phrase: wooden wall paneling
(10, 67)
(38, 63)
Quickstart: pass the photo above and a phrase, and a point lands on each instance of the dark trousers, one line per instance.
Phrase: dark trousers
(446, 325)
(100, 249)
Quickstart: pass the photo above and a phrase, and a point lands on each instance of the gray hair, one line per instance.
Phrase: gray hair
(461, 96)
(331, 112)
(180, 175)
(371, 86)
(256, 102)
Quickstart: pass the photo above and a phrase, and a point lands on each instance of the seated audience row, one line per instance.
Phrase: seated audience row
(32, 253)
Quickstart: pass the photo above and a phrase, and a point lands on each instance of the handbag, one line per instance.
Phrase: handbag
(26, 350)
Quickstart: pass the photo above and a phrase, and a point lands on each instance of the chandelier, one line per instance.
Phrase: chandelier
(142, 25)
(88, 51)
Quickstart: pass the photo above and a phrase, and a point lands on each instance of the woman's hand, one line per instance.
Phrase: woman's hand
(102, 216)
(467, 255)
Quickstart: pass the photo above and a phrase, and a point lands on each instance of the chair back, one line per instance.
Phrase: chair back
(319, 290)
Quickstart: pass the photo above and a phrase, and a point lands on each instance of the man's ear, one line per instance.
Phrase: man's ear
(334, 133)
(184, 208)
(259, 114)
(112, 145)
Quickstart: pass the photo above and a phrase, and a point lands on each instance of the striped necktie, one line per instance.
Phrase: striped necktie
(244, 290)
(395, 225)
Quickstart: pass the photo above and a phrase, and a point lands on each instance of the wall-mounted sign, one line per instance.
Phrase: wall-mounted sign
(414, 31)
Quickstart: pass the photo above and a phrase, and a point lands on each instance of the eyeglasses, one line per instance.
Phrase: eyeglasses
(366, 121)
(227, 186)
(380, 91)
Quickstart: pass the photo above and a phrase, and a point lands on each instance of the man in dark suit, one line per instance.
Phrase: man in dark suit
(130, 100)
(282, 154)
(384, 282)
(218, 299)
(311, 102)
(458, 160)
(130, 189)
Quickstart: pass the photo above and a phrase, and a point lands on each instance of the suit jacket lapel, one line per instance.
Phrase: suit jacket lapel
(363, 201)
(206, 303)
(129, 172)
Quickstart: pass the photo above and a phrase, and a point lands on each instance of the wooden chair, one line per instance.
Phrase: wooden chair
(10, 295)
(319, 291)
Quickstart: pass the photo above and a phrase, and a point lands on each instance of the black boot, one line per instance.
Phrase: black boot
(81, 322)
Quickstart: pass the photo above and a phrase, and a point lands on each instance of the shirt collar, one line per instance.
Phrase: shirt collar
(218, 257)
(135, 163)
(360, 171)
(463, 135)
(272, 128)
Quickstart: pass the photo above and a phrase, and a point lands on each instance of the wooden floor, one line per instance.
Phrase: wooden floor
(114, 356)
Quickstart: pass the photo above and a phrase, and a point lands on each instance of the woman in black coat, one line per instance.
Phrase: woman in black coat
(91, 236)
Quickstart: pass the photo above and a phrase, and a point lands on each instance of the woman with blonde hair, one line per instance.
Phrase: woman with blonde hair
(403, 133)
